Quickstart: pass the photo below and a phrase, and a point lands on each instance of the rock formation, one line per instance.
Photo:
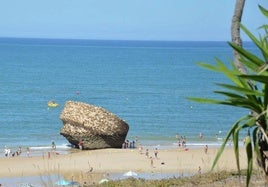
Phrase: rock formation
(95, 126)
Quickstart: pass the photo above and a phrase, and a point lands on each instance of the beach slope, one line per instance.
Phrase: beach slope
(94, 164)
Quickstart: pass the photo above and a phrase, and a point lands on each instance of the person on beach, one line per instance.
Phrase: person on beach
(147, 153)
(80, 144)
(53, 147)
(179, 143)
(19, 151)
(177, 137)
(152, 162)
(199, 170)
(124, 145)
(201, 135)
(183, 143)
(6, 151)
(136, 139)
(28, 152)
(133, 144)
(155, 153)
(206, 149)
(127, 143)
(140, 148)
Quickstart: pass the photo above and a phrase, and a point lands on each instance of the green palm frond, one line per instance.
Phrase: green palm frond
(249, 151)
(258, 78)
(260, 43)
(207, 100)
(242, 90)
(246, 54)
(255, 133)
(222, 68)
(234, 132)
(264, 11)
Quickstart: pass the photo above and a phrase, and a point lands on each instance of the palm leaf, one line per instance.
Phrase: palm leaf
(236, 148)
(242, 90)
(205, 100)
(253, 58)
(264, 11)
(249, 158)
(229, 94)
(265, 99)
(220, 67)
(246, 103)
(256, 142)
(231, 132)
(259, 78)
(257, 42)
(238, 100)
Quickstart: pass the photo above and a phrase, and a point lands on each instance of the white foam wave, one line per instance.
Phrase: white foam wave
(63, 146)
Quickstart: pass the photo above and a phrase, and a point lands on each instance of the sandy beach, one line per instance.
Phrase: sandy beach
(91, 166)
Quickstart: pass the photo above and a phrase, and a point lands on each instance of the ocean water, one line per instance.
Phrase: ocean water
(143, 82)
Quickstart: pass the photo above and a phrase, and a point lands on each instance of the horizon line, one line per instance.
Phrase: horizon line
(103, 39)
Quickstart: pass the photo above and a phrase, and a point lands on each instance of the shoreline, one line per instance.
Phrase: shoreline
(66, 148)
(93, 165)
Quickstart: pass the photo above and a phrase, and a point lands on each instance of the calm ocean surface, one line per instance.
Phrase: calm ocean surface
(143, 82)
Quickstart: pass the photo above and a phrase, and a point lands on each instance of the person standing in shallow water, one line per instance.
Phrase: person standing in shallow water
(28, 151)
(6, 151)
(177, 137)
(53, 147)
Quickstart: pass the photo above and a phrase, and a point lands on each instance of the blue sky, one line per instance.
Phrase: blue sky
(186, 20)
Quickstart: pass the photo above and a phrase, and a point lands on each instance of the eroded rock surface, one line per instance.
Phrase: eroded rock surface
(95, 126)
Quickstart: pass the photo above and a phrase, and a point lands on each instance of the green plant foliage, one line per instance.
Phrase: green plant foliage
(248, 91)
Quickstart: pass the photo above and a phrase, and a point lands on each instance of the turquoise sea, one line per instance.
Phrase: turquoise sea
(143, 82)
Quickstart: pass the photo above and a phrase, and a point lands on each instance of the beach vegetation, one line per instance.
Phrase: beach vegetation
(247, 90)
(223, 178)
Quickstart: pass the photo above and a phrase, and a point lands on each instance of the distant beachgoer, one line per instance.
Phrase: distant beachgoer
(155, 153)
(53, 146)
(152, 162)
(199, 170)
(206, 149)
(28, 152)
(133, 144)
(13, 154)
(123, 145)
(179, 143)
(183, 143)
(177, 137)
(136, 139)
(140, 148)
(127, 143)
(201, 135)
(19, 151)
(6, 151)
(147, 153)
(80, 144)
